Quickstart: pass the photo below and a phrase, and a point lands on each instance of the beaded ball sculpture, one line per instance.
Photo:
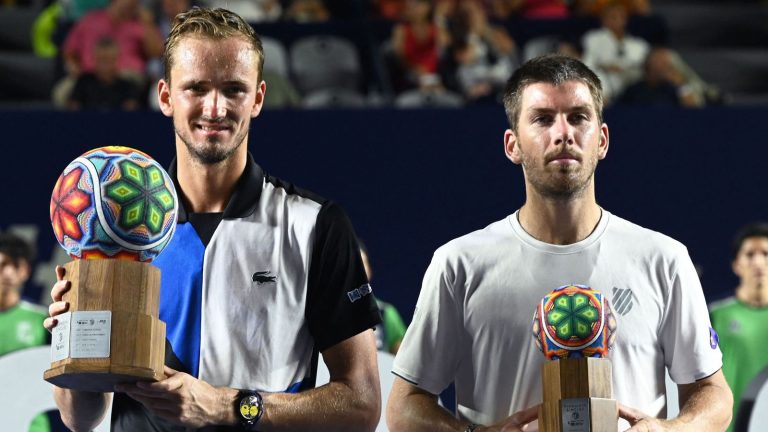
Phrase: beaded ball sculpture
(574, 321)
(114, 202)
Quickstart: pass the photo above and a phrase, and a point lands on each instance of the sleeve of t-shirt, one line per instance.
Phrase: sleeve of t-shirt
(340, 303)
(690, 344)
(428, 356)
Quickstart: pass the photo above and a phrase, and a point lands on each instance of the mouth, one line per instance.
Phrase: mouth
(211, 128)
(563, 158)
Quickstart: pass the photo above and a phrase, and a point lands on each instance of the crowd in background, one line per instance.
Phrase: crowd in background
(430, 52)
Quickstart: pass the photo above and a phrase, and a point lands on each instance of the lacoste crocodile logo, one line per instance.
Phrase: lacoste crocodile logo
(263, 277)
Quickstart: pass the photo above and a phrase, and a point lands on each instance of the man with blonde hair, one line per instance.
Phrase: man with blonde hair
(259, 278)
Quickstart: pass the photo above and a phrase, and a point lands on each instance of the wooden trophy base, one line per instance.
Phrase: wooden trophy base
(578, 396)
(113, 334)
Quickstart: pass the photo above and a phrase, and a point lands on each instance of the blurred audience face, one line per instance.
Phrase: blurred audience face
(659, 67)
(171, 8)
(417, 10)
(13, 273)
(105, 55)
(125, 8)
(614, 18)
(751, 263)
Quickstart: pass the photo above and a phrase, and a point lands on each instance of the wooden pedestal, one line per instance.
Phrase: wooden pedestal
(578, 396)
(130, 291)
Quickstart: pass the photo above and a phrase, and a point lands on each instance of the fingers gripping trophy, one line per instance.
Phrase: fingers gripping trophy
(113, 210)
(574, 326)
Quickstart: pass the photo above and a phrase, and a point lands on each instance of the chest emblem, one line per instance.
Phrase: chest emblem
(262, 277)
(623, 300)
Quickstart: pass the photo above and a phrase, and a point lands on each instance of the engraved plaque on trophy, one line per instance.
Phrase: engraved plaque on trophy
(113, 210)
(574, 327)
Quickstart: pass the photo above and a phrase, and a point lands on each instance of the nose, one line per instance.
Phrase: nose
(562, 131)
(213, 106)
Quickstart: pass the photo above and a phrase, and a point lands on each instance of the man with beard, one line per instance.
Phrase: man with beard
(260, 275)
(472, 324)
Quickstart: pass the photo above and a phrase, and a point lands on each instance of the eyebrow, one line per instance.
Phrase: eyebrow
(544, 110)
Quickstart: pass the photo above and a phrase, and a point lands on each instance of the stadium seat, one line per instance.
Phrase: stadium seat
(325, 62)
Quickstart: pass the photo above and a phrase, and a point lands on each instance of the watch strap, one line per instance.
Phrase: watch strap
(249, 407)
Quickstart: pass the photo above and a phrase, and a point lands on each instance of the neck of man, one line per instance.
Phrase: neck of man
(207, 188)
(560, 221)
(8, 299)
(753, 293)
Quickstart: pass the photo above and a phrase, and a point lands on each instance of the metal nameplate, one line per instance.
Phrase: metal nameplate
(575, 415)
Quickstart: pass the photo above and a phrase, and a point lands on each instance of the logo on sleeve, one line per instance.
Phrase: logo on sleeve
(714, 339)
(358, 293)
(262, 277)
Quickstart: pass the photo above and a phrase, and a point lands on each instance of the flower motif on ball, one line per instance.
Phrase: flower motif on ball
(574, 321)
(67, 202)
(143, 196)
(114, 202)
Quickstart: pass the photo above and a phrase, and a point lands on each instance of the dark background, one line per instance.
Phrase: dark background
(413, 179)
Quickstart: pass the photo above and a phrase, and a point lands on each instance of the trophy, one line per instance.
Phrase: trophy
(113, 210)
(574, 326)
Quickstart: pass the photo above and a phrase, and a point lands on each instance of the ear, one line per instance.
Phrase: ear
(24, 270)
(258, 104)
(735, 268)
(512, 147)
(602, 148)
(164, 97)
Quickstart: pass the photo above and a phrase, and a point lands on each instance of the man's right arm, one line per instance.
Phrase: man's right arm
(414, 410)
(80, 411)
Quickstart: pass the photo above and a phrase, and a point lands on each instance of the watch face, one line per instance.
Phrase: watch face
(249, 407)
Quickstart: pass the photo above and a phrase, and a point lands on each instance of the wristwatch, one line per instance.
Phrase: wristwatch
(250, 407)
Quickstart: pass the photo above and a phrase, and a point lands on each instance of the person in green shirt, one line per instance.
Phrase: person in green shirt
(21, 323)
(741, 320)
(390, 333)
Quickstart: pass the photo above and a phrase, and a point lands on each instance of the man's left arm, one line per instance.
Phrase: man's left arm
(351, 401)
(705, 406)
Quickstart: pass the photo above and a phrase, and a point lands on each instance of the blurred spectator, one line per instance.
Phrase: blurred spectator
(480, 56)
(131, 26)
(104, 89)
(741, 320)
(662, 84)
(252, 11)
(597, 7)
(613, 54)
(532, 9)
(165, 11)
(73, 10)
(416, 46)
(21, 323)
(281, 92)
(391, 9)
(44, 31)
(390, 333)
(305, 11)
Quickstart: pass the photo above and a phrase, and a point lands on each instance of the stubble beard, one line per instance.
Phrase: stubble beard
(211, 152)
(562, 184)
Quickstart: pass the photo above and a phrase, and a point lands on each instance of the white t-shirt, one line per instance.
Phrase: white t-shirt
(472, 324)
(601, 48)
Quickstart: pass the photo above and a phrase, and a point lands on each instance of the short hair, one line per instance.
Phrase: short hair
(216, 24)
(553, 69)
(16, 248)
(756, 229)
